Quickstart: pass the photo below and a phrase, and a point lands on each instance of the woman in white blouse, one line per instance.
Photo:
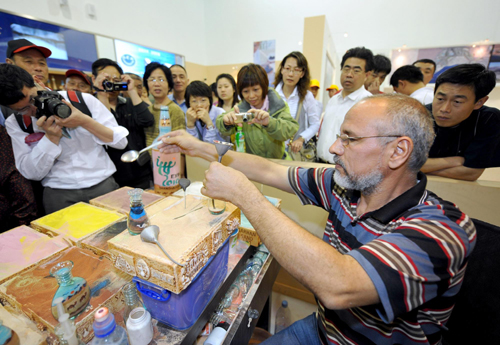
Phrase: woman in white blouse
(292, 84)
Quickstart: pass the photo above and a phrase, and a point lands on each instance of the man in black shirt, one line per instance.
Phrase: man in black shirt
(467, 132)
(131, 113)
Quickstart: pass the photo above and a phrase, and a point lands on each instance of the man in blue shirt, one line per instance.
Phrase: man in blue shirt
(393, 254)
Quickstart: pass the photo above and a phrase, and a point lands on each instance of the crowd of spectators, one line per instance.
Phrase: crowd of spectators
(285, 118)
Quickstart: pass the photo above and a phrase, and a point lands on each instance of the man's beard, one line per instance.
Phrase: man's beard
(366, 184)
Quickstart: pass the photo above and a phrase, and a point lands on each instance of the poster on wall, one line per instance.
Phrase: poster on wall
(264, 53)
(444, 58)
(494, 64)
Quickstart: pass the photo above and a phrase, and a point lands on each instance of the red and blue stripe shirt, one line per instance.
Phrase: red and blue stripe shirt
(415, 250)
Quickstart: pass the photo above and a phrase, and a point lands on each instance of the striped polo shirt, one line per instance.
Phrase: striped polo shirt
(415, 250)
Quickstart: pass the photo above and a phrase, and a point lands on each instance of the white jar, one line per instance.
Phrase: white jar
(139, 327)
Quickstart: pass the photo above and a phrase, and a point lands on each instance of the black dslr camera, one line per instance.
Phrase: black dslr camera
(50, 103)
(109, 86)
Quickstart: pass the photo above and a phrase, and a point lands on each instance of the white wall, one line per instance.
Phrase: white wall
(380, 25)
(217, 32)
(172, 25)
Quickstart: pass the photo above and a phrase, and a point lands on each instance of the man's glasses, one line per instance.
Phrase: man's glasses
(154, 80)
(295, 71)
(355, 70)
(346, 140)
(25, 109)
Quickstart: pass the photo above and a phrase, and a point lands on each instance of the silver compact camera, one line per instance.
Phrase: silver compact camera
(244, 117)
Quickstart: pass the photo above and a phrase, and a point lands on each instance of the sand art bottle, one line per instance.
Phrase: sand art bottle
(137, 219)
(74, 291)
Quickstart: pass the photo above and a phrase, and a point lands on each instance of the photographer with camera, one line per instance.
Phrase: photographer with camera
(71, 169)
(131, 113)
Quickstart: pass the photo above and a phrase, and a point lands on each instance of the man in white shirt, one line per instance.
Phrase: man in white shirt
(71, 169)
(409, 81)
(355, 66)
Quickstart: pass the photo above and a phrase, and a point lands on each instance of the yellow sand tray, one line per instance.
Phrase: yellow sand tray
(190, 236)
(30, 293)
(22, 247)
(119, 200)
(76, 222)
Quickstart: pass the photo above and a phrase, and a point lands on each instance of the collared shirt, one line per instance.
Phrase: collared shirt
(335, 112)
(181, 105)
(201, 131)
(76, 163)
(320, 107)
(424, 95)
(414, 249)
(265, 105)
(310, 107)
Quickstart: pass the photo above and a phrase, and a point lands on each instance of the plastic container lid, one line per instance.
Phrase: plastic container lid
(104, 323)
(284, 304)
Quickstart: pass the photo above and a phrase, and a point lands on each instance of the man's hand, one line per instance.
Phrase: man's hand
(76, 119)
(52, 130)
(226, 183)
(39, 84)
(296, 145)
(181, 141)
(98, 81)
(374, 87)
(130, 84)
(261, 117)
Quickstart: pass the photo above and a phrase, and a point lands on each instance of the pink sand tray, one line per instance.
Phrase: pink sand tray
(22, 247)
(119, 200)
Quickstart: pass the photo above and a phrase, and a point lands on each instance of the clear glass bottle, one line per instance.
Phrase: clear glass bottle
(166, 166)
(132, 300)
(74, 291)
(137, 218)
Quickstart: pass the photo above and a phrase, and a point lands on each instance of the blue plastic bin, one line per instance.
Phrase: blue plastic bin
(180, 311)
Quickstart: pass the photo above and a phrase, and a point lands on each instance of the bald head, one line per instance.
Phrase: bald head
(405, 116)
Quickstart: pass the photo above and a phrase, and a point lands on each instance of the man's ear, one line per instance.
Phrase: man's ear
(401, 152)
(9, 61)
(480, 102)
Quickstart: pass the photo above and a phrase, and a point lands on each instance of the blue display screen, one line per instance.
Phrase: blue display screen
(133, 58)
(70, 48)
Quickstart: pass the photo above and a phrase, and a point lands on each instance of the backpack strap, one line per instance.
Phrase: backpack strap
(76, 99)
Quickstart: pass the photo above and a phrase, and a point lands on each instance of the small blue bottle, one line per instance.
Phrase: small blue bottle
(106, 330)
(74, 291)
(137, 219)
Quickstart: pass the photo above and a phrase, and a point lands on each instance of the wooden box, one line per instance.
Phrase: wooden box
(98, 242)
(31, 292)
(119, 200)
(190, 235)
(76, 222)
(22, 247)
(246, 231)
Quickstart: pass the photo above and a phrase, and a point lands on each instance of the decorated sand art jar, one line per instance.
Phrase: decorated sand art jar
(74, 291)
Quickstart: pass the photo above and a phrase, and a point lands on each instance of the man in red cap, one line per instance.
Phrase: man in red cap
(30, 57)
(77, 81)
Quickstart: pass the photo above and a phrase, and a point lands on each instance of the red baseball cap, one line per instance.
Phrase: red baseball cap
(17, 46)
(85, 77)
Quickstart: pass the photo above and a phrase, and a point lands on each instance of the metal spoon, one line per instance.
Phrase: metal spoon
(132, 155)
(150, 235)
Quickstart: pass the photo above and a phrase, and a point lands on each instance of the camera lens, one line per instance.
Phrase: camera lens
(62, 110)
(107, 85)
